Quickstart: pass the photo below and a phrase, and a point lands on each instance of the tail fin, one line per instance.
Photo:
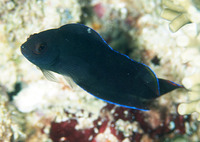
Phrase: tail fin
(167, 86)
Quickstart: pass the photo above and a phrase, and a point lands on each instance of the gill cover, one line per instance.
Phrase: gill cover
(41, 49)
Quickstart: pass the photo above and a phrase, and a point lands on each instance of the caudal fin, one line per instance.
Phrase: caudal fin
(167, 86)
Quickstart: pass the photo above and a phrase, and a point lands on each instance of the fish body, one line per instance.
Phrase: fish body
(80, 53)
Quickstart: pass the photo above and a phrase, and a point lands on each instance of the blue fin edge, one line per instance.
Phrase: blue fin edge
(125, 56)
(115, 103)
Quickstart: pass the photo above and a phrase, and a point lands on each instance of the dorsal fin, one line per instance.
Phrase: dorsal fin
(167, 86)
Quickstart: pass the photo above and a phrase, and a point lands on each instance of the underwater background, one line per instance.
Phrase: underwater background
(161, 34)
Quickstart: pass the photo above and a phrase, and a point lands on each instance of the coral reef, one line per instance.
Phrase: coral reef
(180, 13)
(119, 124)
(6, 131)
(193, 103)
(34, 109)
(11, 121)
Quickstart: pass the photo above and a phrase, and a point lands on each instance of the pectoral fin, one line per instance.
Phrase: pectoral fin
(49, 75)
(70, 82)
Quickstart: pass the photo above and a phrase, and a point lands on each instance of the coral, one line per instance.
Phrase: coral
(180, 13)
(118, 124)
(16, 24)
(185, 56)
(10, 120)
(193, 103)
(6, 131)
(188, 108)
(132, 27)
(65, 131)
(48, 103)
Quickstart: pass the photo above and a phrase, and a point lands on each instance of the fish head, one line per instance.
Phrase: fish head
(41, 49)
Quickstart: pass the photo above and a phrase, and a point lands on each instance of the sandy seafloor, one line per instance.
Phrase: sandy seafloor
(33, 109)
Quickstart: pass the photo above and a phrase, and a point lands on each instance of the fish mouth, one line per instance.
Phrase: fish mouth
(22, 47)
(24, 51)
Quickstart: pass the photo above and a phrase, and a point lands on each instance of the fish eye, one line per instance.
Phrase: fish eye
(40, 48)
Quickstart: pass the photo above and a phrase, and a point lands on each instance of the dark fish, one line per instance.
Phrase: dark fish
(79, 53)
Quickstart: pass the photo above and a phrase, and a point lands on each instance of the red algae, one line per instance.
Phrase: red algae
(66, 132)
(180, 125)
(153, 125)
(160, 126)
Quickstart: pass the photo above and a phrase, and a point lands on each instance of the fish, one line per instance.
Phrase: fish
(84, 58)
